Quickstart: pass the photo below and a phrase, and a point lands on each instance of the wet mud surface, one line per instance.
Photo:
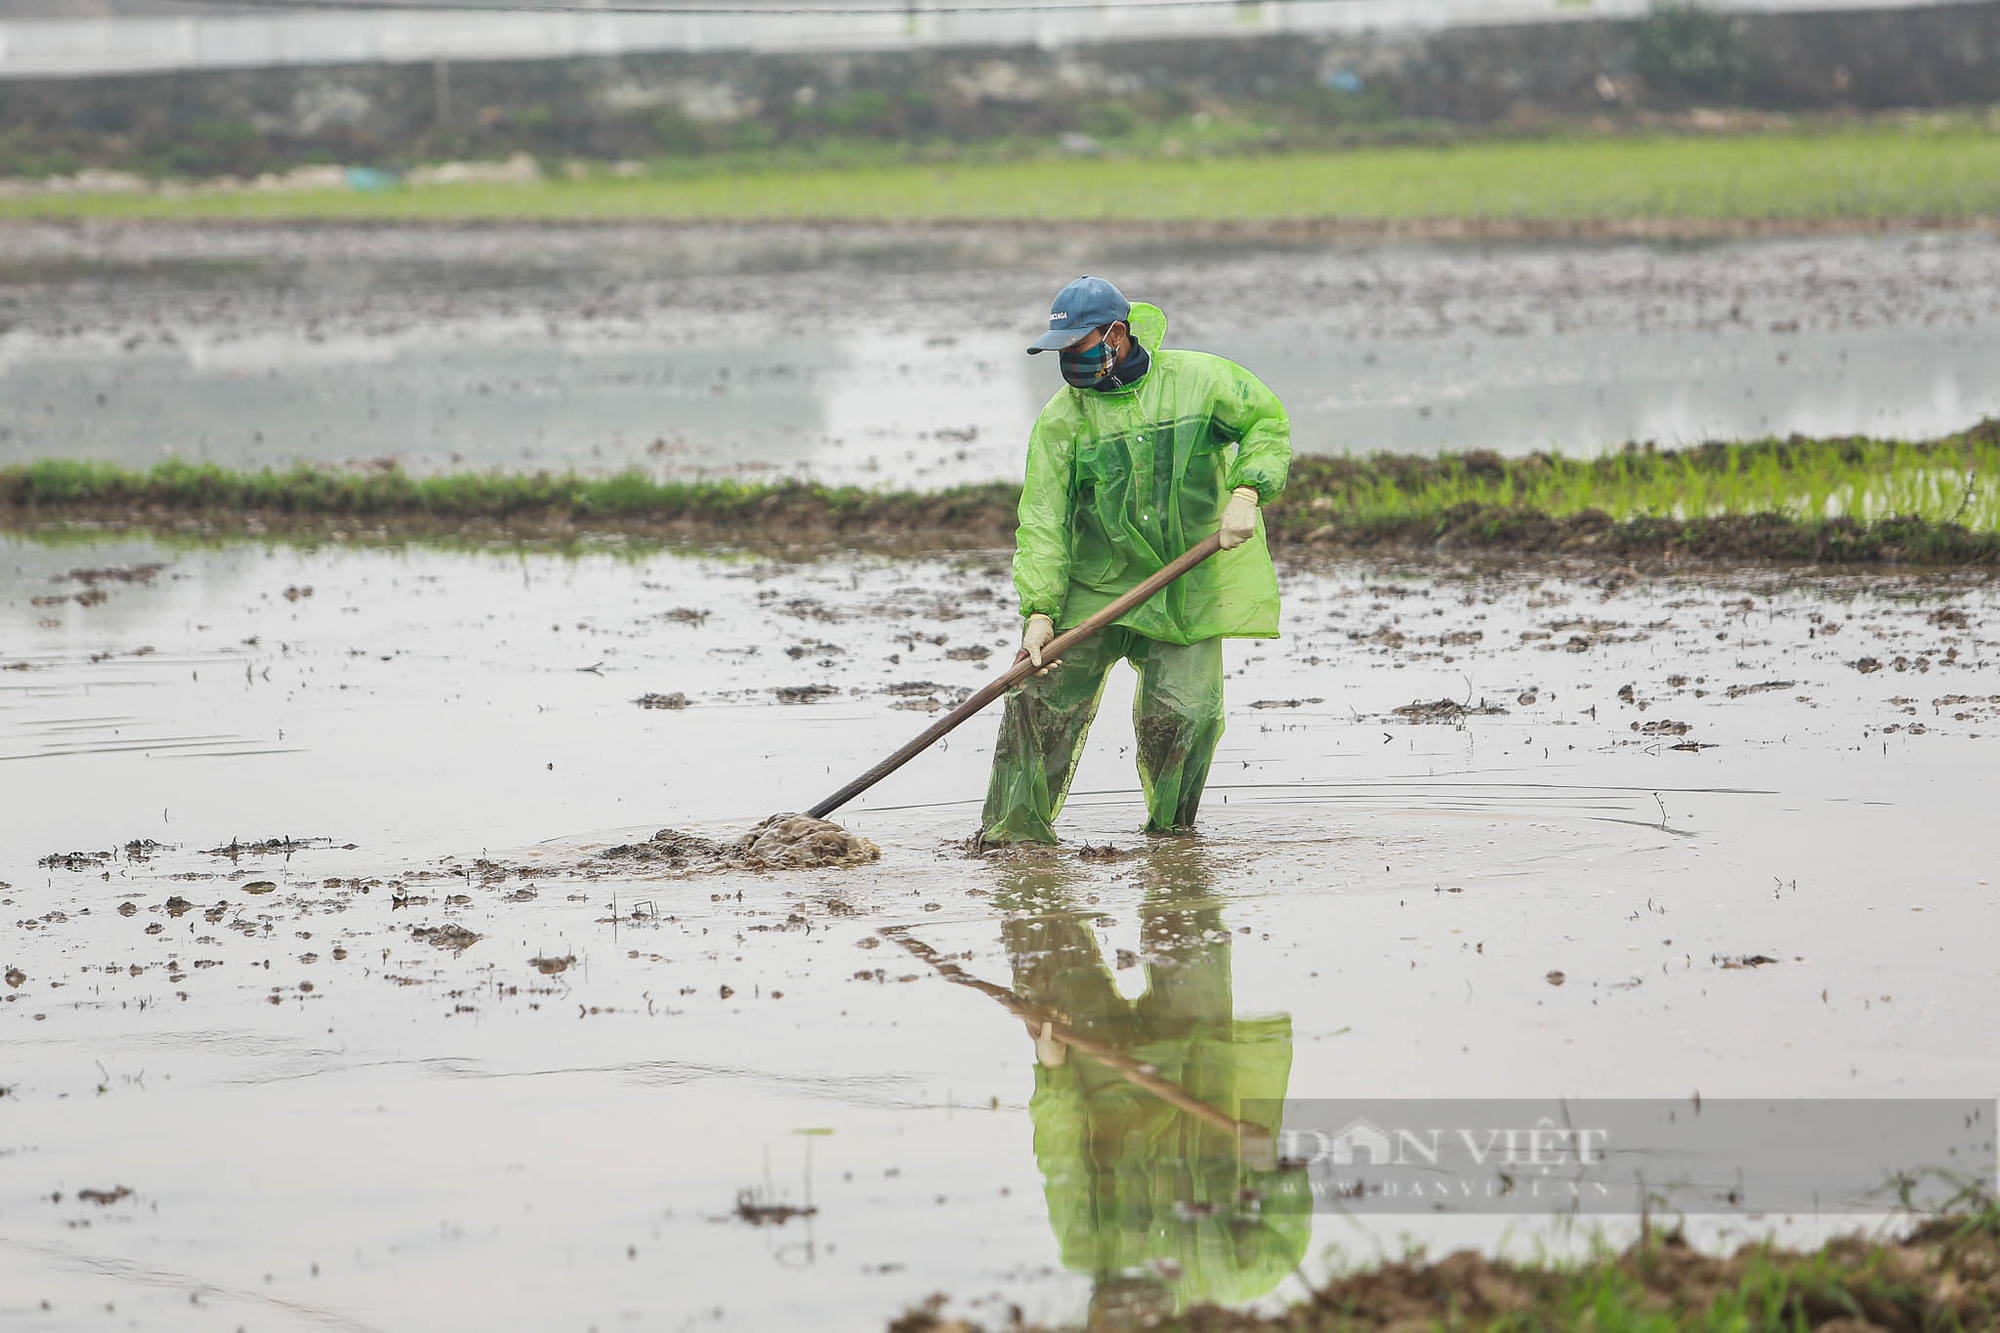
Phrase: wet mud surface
(755, 352)
(328, 904)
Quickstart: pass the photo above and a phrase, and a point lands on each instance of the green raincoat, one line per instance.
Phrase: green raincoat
(1120, 483)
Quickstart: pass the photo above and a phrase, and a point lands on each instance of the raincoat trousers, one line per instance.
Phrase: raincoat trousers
(1119, 484)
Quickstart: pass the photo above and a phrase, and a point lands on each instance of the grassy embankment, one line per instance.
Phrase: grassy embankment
(1841, 500)
(1945, 1275)
(1873, 172)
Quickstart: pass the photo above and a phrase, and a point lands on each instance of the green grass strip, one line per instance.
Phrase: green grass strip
(1864, 172)
(1849, 498)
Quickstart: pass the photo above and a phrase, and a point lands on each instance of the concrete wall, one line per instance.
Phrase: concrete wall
(84, 46)
(1864, 59)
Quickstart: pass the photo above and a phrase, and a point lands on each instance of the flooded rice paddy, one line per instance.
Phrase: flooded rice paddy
(336, 996)
(893, 356)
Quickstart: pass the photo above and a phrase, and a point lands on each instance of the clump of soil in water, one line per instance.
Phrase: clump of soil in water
(782, 842)
(675, 700)
(797, 842)
(1445, 710)
(681, 851)
(454, 937)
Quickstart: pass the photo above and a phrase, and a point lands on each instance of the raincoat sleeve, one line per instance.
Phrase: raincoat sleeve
(1243, 408)
(1041, 542)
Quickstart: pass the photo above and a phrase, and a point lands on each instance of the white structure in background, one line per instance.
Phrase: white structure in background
(71, 48)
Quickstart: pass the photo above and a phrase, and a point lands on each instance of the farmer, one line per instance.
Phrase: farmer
(1144, 454)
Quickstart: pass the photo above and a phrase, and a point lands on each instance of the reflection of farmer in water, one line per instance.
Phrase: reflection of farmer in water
(1162, 1208)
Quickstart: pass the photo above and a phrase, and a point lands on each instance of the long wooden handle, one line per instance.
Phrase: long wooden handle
(1110, 1057)
(1020, 671)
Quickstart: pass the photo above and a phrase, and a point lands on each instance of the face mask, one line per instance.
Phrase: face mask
(1085, 369)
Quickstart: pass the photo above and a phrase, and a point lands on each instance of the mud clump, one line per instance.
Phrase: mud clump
(782, 842)
(1445, 710)
(283, 845)
(117, 574)
(1738, 691)
(752, 1209)
(78, 861)
(803, 694)
(453, 937)
(676, 849)
(925, 696)
(675, 701)
(800, 842)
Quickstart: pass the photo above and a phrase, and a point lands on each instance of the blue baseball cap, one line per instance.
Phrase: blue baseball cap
(1086, 304)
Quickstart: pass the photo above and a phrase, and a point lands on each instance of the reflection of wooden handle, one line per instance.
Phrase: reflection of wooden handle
(1256, 1140)
(1020, 671)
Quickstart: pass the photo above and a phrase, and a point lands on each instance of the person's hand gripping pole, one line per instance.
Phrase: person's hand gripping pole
(1037, 635)
(1239, 517)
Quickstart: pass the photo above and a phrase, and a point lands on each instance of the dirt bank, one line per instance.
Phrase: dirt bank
(797, 524)
(1406, 505)
(1944, 1274)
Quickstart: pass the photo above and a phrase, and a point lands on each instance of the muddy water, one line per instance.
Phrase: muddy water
(440, 1061)
(894, 356)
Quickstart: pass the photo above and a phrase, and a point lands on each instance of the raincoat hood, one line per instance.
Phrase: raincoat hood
(1149, 328)
(1149, 325)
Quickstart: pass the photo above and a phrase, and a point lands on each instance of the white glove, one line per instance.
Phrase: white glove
(1239, 517)
(1040, 630)
(1050, 1050)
